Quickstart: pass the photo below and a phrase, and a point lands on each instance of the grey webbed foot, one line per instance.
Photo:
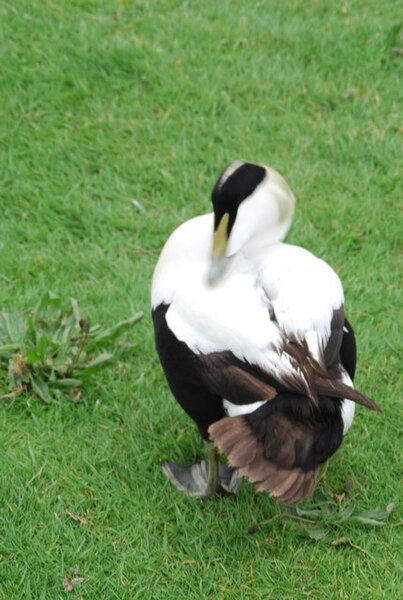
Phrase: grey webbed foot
(196, 480)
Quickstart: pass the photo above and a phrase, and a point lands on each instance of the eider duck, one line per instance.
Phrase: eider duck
(253, 341)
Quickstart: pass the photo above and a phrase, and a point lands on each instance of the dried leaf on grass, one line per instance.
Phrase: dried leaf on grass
(345, 541)
(70, 583)
(82, 521)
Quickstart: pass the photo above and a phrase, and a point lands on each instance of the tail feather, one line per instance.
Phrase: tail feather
(280, 446)
(234, 437)
(294, 491)
(285, 483)
(243, 452)
(256, 470)
(229, 434)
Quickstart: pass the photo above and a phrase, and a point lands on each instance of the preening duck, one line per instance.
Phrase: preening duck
(253, 341)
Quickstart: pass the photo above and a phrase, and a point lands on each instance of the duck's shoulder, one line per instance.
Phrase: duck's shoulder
(187, 247)
(291, 256)
(194, 235)
(287, 268)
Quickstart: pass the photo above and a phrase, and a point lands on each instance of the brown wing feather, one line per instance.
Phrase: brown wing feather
(244, 383)
(332, 350)
(321, 381)
(337, 389)
(237, 381)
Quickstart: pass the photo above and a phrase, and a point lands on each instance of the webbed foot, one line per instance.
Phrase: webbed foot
(196, 480)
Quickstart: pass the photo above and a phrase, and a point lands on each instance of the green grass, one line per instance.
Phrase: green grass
(103, 102)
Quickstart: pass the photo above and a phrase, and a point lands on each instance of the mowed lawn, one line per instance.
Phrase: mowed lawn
(103, 103)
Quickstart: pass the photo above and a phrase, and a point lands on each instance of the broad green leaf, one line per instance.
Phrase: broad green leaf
(32, 356)
(346, 512)
(40, 388)
(13, 326)
(109, 334)
(103, 360)
(46, 300)
(8, 350)
(68, 383)
(313, 533)
(68, 329)
(76, 311)
(378, 514)
(367, 521)
(95, 329)
(31, 331)
(43, 344)
(313, 512)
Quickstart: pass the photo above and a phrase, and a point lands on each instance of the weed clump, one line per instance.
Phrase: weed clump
(53, 351)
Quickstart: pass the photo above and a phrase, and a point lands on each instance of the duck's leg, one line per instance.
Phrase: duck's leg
(205, 479)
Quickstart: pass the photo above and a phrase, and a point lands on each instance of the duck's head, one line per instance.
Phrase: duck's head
(253, 206)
